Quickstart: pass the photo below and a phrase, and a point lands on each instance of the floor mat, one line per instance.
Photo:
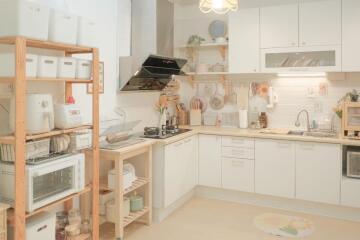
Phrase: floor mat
(284, 226)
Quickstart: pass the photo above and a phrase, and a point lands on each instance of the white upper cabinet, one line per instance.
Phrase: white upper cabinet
(318, 172)
(275, 168)
(320, 23)
(279, 26)
(351, 35)
(244, 41)
(210, 160)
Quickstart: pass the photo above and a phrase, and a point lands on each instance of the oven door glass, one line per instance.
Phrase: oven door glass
(54, 183)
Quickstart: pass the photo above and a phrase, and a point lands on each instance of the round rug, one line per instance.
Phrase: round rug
(284, 226)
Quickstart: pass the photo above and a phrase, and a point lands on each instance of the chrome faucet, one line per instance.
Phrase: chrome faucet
(297, 123)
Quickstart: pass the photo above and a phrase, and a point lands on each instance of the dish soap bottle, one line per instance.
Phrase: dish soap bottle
(263, 120)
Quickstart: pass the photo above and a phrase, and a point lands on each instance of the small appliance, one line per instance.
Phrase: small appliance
(39, 113)
(353, 164)
(67, 116)
(46, 182)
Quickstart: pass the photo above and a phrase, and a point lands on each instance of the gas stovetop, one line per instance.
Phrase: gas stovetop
(166, 132)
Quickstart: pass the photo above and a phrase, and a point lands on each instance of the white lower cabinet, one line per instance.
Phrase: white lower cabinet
(174, 171)
(238, 174)
(350, 192)
(210, 160)
(275, 168)
(318, 172)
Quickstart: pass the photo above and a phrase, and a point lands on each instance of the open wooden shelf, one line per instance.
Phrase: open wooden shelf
(7, 80)
(136, 185)
(69, 48)
(11, 139)
(133, 216)
(60, 80)
(49, 206)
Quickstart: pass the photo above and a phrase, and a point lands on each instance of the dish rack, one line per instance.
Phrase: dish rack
(34, 149)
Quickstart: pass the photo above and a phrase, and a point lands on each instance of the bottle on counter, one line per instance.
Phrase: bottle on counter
(263, 120)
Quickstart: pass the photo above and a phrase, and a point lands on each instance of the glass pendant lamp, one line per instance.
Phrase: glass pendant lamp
(218, 6)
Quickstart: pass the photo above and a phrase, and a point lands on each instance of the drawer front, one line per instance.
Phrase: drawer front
(237, 152)
(237, 142)
(238, 174)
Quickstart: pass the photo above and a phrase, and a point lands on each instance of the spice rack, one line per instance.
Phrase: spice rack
(351, 120)
(17, 216)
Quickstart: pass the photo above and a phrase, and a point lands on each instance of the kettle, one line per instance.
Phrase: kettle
(39, 114)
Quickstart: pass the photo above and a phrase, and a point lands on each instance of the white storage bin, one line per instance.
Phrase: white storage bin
(67, 116)
(22, 18)
(80, 141)
(87, 32)
(83, 69)
(47, 66)
(66, 67)
(35, 149)
(62, 27)
(7, 63)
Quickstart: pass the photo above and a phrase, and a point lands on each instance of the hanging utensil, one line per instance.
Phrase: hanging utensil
(217, 100)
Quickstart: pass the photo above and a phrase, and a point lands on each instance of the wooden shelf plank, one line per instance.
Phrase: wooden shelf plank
(74, 80)
(7, 140)
(35, 43)
(7, 80)
(136, 185)
(135, 216)
(49, 206)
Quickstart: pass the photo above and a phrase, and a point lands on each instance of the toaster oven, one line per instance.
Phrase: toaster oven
(45, 182)
(353, 164)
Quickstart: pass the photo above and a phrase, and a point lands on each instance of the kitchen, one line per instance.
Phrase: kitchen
(210, 119)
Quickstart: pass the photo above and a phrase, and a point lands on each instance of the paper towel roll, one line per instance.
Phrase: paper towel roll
(243, 118)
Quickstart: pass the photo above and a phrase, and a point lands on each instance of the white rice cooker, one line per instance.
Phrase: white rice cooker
(39, 113)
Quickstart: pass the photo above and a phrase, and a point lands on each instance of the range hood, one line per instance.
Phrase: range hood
(154, 74)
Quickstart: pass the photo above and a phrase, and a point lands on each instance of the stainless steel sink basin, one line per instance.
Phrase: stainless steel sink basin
(313, 134)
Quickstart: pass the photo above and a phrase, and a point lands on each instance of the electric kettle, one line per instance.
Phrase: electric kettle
(39, 113)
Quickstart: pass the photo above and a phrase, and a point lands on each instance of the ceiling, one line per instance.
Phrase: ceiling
(251, 3)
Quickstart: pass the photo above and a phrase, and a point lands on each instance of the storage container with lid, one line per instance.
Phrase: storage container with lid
(7, 63)
(47, 66)
(87, 32)
(18, 18)
(62, 27)
(83, 69)
(66, 67)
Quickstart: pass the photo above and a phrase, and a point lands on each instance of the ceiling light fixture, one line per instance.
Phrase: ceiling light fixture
(218, 6)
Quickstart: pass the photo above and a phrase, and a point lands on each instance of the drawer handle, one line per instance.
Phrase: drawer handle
(236, 163)
(237, 152)
(235, 140)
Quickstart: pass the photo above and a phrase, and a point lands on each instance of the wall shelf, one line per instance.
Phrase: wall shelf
(208, 45)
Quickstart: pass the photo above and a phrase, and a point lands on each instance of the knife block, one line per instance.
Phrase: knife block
(195, 117)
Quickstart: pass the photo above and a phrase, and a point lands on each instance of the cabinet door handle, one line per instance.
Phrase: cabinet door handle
(188, 140)
(179, 144)
(237, 163)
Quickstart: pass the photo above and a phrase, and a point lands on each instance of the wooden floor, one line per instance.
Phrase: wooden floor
(203, 219)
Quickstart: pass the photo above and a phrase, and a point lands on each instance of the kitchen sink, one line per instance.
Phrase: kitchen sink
(313, 134)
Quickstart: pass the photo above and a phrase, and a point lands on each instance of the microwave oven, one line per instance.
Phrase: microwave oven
(353, 164)
(45, 182)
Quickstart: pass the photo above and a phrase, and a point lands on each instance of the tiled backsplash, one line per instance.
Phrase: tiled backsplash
(294, 94)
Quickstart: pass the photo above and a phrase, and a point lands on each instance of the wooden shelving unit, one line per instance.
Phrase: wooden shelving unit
(140, 156)
(18, 214)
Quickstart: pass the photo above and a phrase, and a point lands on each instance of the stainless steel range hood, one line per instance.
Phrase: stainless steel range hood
(154, 74)
(151, 65)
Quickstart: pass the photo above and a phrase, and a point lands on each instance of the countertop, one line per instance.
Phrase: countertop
(250, 133)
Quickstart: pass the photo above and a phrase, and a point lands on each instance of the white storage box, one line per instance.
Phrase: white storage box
(47, 66)
(7, 63)
(41, 226)
(128, 178)
(66, 67)
(63, 27)
(35, 149)
(87, 32)
(67, 116)
(111, 210)
(22, 18)
(83, 69)
(80, 141)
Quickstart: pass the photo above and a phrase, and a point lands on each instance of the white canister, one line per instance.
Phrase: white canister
(66, 67)
(47, 66)
(87, 32)
(243, 118)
